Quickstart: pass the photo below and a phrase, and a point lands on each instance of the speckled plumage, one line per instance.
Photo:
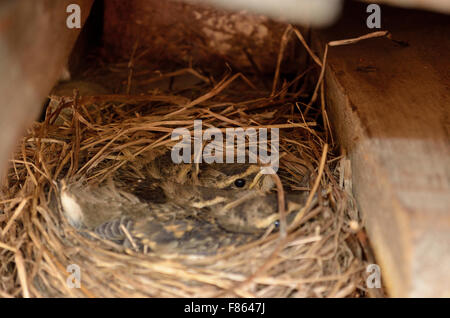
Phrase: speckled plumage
(176, 208)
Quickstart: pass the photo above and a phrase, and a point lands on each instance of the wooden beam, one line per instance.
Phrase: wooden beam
(35, 44)
(389, 103)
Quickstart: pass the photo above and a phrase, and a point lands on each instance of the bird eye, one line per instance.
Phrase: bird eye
(276, 224)
(239, 183)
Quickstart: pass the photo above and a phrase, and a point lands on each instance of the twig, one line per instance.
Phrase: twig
(299, 216)
(21, 271)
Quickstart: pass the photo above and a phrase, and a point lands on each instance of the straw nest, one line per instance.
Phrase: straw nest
(320, 255)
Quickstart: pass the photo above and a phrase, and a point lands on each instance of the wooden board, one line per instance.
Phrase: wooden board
(389, 104)
(35, 44)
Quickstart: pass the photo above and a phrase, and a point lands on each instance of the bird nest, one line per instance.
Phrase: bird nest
(321, 253)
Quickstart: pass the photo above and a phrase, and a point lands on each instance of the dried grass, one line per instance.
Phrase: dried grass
(318, 255)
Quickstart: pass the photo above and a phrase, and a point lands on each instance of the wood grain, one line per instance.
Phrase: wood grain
(389, 103)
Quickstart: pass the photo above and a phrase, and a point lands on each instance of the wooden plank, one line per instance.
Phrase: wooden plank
(34, 47)
(389, 104)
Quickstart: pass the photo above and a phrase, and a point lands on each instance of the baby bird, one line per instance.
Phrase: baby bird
(215, 175)
(177, 209)
(88, 206)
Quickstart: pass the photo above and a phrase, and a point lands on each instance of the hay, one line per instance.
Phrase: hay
(319, 255)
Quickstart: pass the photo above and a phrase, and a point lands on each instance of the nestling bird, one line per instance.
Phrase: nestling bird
(221, 205)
